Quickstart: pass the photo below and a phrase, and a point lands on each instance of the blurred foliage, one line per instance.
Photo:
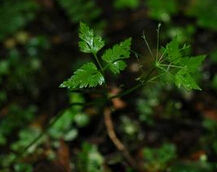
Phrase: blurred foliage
(182, 33)
(192, 167)
(85, 11)
(15, 14)
(162, 10)
(16, 118)
(146, 104)
(122, 4)
(72, 119)
(205, 12)
(157, 159)
(90, 160)
(211, 136)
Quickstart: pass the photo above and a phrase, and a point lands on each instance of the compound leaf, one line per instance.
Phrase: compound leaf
(115, 56)
(86, 76)
(90, 42)
(179, 69)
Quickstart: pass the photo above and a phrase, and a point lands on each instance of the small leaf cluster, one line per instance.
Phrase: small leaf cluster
(177, 67)
(91, 74)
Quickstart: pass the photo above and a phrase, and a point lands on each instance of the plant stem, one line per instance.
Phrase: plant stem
(118, 144)
(147, 44)
(98, 62)
(158, 39)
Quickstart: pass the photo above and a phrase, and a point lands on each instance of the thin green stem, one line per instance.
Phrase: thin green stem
(130, 90)
(169, 65)
(98, 62)
(161, 57)
(158, 38)
(147, 44)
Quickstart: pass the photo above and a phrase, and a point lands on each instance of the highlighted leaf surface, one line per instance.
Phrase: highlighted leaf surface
(115, 57)
(179, 69)
(90, 42)
(86, 76)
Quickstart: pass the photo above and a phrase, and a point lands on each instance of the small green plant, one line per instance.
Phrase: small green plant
(172, 64)
(90, 74)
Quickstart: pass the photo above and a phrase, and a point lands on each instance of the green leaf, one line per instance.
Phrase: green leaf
(173, 51)
(86, 76)
(90, 43)
(178, 69)
(193, 63)
(183, 78)
(115, 56)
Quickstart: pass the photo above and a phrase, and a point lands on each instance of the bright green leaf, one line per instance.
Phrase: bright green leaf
(183, 78)
(173, 51)
(193, 63)
(115, 56)
(90, 42)
(86, 76)
(178, 69)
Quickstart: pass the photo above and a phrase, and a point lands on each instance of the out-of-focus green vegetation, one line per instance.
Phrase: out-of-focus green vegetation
(14, 15)
(205, 12)
(163, 128)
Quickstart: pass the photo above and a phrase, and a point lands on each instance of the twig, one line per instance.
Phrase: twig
(112, 135)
